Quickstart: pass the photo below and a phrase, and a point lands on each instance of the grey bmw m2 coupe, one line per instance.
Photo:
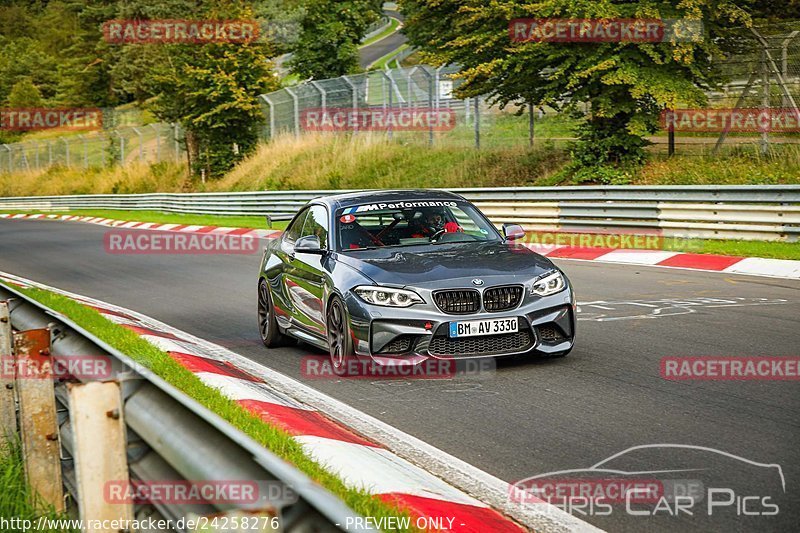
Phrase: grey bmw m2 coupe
(405, 276)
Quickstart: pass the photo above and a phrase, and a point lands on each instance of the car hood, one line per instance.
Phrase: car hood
(448, 265)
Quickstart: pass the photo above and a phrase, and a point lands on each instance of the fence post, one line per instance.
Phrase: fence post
(99, 448)
(530, 125)
(296, 111)
(764, 99)
(121, 147)
(49, 153)
(38, 149)
(271, 115)
(85, 151)
(354, 89)
(477, 122)
(37, 416)
(141, 148)
(323, 95)
(438, 91)
(429, 76)
(785, 62)
(10, 158)
(8, 408)
(66, 151)
(158, 141)
(388, 78)
(176, 136)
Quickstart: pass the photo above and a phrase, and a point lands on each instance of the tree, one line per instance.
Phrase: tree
(331, 32)
(24, 94)
(212, 90)
(626, 84)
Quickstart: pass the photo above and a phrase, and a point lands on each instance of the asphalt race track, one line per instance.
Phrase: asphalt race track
(526, 418)
(373, 52)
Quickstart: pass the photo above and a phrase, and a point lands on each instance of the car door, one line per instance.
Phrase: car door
(285, 253)
(305, 279)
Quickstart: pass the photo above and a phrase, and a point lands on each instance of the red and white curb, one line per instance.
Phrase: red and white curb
(124, 224)
(754, 266)
(367, 454)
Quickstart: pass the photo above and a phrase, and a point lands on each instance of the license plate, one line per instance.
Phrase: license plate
(492, 326)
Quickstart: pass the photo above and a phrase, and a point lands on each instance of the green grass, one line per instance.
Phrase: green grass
(390, 29)
(385, 61)
(17, 499)
(159, 217)
(268, 435)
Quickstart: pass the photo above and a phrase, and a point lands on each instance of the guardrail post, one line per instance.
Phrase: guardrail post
(8, 408)
(99, 448)
(37, 416)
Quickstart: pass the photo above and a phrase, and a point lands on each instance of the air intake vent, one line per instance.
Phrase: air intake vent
(458, 302)
(502, 298)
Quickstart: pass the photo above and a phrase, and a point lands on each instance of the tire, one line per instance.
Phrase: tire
(340, 345)
(268, 330)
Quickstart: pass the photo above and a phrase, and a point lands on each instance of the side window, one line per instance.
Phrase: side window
(317, 224)
(293, 232)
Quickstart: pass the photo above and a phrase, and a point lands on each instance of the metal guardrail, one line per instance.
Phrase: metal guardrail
(760, 212)
(168, 435)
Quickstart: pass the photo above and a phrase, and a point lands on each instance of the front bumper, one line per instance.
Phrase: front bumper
(415, 334)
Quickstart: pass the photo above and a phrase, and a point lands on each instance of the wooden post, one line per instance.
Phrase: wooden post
(37, 416)
(99, 449)
(8, 408)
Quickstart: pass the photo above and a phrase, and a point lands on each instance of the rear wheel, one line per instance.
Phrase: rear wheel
(271, 336)
(340, 345)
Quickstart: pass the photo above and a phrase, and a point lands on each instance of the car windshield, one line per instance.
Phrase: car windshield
(411, 223)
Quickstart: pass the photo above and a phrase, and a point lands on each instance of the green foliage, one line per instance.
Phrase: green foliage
(331, 32)
(24, 94)
(625, 85)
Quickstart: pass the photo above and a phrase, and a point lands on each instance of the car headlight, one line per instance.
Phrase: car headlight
(388, 297)
(548, 284)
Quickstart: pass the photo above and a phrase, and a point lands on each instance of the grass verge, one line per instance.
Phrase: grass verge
(268, 435)
(17, 499)
(160, 217)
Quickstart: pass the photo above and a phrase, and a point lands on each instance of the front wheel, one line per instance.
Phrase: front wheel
(340, 345)
(271, 336)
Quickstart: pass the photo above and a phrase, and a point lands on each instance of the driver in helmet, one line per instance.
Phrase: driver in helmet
(435, 222)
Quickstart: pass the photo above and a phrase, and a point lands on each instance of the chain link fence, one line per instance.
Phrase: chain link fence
(118, 146)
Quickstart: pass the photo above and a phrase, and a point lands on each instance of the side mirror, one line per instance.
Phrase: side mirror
(512, 232)
(309, 245)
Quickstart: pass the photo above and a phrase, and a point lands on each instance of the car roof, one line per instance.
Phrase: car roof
(337, 201)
